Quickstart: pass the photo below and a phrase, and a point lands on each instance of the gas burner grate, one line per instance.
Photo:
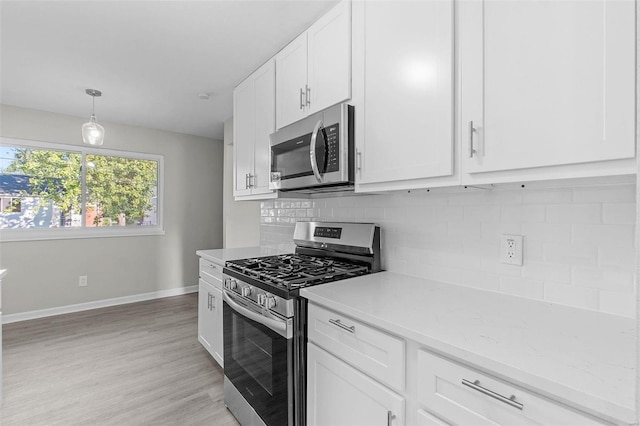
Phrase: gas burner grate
(293, 271)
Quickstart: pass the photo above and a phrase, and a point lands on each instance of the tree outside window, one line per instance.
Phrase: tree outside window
(48, 187)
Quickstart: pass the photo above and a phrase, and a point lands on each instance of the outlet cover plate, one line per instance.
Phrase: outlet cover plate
(511, 249)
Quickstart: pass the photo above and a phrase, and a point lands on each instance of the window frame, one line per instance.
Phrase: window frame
(34, 234)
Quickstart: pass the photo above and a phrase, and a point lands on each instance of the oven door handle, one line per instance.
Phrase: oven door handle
(282, 327)
(312, 150)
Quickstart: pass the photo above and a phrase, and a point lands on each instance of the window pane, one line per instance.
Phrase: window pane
(39, 188)
(121, 191)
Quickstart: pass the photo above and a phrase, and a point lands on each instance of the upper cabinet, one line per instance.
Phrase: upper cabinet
(546, 84)
(403, 92)
(314, 71)
(253, 122)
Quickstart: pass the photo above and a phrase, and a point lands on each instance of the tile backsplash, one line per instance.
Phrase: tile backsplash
(579, 242)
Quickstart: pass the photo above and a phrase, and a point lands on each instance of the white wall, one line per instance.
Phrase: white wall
(579, 241)
(44, 274)
(241, 218)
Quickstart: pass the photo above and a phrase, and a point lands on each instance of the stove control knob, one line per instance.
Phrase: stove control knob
(271, 302)
(232, 284)
(246, 291)
(262, 298)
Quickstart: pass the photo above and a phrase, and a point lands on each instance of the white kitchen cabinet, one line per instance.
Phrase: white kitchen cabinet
(313, 72)
(546, 84)
(376, 353)
(2, 273)
(253, 122)
(210, 332)
(462, 395)
(338, 394)
(403, 55)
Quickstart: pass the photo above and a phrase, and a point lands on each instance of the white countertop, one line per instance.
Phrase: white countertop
(575, 355)
(222, 255)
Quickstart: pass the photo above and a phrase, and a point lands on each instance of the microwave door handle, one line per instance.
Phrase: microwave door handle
(279, 326)
(312, 151)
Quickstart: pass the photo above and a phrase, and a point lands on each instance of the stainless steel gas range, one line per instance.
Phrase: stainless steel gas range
(265, 319)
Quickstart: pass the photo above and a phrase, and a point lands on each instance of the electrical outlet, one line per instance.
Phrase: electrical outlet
(511, 249)
(82, 281)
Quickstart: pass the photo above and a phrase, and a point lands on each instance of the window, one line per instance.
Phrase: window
(58, 191)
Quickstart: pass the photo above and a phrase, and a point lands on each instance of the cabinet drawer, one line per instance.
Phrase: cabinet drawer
(374, 352)
(211, 272)
(461, 395)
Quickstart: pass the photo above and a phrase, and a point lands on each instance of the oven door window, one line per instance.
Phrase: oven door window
(259, 362)
(291, 158)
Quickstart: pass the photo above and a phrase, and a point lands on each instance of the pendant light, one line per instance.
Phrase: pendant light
(92, 132)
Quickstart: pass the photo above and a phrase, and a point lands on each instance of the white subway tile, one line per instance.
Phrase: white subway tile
(374, 213)
(484, 213)
(463, 230)
(619, 213)
(624, 257)
(547, 232)
(529, 288)
(604, 235)
(604, 278)
(574, 213)
(443, 274)
(492, 231)
(618, 303)
(580, 297)
(483, 280)
(570, 254)
(605, 194)
(519, 213)
(560, 273)
(546, 196)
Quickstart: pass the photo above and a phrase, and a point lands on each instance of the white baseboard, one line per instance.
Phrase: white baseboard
(24, 316)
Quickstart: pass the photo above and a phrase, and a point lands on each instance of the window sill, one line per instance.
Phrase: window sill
(34, 234)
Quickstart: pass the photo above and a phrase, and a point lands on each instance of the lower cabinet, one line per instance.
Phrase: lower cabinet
(338, 394)
(462, 395)
(210, 320)
(358, 374)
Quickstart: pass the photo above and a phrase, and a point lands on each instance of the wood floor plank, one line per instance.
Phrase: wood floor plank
(134, 364)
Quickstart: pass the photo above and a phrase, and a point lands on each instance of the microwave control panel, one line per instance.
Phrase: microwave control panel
(333, 147)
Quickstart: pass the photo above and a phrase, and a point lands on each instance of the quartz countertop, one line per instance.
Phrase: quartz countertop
(574, 355)
(222, 255)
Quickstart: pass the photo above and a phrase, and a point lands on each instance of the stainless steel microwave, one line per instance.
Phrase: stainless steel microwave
(315, 153)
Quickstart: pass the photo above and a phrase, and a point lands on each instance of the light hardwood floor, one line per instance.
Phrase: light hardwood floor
(134, 364)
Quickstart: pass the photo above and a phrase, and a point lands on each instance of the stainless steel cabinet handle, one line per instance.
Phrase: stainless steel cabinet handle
(390, 417)
(358, 160)
(246, 181)
(350, 329)
(208, 301)
(475, 385)
(307, 95)
(251, 182)
(301, 101)
(471, 131)
(213, 302)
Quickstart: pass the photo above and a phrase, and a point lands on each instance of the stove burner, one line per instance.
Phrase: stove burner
(294, 271)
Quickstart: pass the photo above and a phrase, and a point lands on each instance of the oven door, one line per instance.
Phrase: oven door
(316, 151)
(258, 358)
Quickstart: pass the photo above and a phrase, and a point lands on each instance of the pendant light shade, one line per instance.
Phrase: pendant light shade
(92, 132)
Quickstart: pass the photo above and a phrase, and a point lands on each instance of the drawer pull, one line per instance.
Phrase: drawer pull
(390, 417)
(476, 386)
(337, 322)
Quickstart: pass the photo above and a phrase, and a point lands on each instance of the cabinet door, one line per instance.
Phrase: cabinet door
(338, 394)
(291, 81)
(329, 59)
(546, 82)
(243, 136)
(264, 89)
(404, 68)
(217, 345)
(206, 321)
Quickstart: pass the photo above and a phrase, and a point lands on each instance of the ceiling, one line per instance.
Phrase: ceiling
(150, 59)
